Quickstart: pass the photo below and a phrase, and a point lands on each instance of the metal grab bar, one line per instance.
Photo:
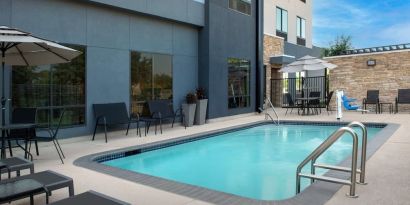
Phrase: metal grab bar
(274, 111)
(321, 149)
(362, 170)
(364, 150)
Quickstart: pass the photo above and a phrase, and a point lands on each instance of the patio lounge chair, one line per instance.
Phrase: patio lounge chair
(112, 114)
(403, 97)
(32, 184)
(88, 198)
(290, 104)
(372, 99)
(15, 164)
(162, 110)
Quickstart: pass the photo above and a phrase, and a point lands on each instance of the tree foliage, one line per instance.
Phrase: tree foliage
(340, 44)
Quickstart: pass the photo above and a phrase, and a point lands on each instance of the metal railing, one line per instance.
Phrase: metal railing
(297, 87)
(319, 151)
(267, 100)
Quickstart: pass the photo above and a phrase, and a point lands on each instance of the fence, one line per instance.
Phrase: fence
(298, 87)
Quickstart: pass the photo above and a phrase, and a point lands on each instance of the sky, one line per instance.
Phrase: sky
(370, 23)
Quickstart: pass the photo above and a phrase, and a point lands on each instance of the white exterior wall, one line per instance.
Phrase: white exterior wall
(295, 8)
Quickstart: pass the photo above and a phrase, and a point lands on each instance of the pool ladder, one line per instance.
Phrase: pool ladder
(352, 169)
(267, 115)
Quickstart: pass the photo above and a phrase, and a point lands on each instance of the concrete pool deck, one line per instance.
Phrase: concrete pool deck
(387, 170)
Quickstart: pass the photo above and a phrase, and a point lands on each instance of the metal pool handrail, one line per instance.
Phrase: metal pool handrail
(364, 149)
(274, 111)
(321, 149)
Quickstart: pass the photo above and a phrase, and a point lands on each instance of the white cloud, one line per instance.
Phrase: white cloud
(397, 33)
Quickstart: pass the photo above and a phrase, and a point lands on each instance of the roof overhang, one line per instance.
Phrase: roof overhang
(281, 59)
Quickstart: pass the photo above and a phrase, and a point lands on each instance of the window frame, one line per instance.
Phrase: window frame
(130, 71)
(236, 10)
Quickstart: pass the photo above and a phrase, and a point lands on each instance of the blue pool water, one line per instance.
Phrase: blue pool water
(258, 162)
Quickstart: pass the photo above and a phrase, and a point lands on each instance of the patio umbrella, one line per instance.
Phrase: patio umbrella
(307, 63)
(23, 49)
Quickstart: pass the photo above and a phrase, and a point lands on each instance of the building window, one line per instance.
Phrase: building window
(301, 31)
(238, 83)
(243, 6)
(51, 89)
(282, 23)
(151, 79)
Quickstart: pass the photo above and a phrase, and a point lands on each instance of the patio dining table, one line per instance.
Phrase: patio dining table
(16, 126)
(305, 104)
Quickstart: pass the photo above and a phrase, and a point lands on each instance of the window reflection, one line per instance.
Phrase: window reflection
(238, 83)
(151, 78)
(51, 89)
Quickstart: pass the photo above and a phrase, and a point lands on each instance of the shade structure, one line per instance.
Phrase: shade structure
(307, 63)
(22, 49)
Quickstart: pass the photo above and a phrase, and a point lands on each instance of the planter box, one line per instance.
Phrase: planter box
(189, 114)
(200, 113)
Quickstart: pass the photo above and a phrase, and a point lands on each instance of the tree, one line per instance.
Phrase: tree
(341, 43)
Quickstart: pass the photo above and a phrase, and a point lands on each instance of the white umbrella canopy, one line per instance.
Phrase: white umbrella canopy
(307, 63)
(21, 48)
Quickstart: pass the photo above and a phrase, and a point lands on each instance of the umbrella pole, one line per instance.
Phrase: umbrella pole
(3, 107)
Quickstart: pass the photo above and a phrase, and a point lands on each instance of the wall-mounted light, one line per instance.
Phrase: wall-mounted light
(371, 62)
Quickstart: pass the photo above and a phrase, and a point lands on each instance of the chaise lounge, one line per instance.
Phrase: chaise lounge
(34, 184)
(89, 198)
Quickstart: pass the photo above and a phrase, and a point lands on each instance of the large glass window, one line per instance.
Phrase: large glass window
(51, 89)
(238, 83)
(281, 20)
(151, 78)
(243, 6)
(301, 27)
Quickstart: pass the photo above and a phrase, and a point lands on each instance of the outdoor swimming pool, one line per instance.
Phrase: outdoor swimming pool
(257, 162)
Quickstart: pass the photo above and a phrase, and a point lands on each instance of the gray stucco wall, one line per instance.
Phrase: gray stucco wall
(227, 33)
(188, 11)
(109, 35)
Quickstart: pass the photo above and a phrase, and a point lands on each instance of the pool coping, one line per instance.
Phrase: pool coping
(317, 193)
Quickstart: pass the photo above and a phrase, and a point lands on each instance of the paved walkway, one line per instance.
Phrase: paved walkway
(388, 170)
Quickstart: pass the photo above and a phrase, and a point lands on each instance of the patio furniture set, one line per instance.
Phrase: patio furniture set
(403, 97)
(44, 182)
(114, 114)
(308, 105)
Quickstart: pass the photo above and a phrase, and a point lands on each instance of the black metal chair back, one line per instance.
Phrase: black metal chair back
(114, 113)
(289, 99)
(403, 96)
(161, 108)
(22, 116)
(329, 98)
(372, 97)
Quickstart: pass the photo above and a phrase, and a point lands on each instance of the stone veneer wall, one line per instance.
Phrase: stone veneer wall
(273, 46)
(392, 72)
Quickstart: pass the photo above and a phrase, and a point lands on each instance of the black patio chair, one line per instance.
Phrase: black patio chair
(22, 116)
(53, 133)
(372, 98)
(113, 114)
(90, 197)
(314, 104)
(290, 104)
(162, 110)
(328, 100)
(403, 97)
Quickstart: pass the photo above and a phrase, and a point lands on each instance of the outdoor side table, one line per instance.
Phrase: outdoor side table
(305, 104)
(389, 105)
(14, 127)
